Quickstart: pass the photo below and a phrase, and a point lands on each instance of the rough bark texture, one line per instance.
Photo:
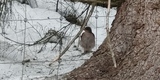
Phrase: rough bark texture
(135, 39)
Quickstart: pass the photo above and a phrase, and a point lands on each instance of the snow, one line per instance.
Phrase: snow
(39, 21)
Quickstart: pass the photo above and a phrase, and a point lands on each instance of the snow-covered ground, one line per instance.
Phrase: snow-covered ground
(39, 56)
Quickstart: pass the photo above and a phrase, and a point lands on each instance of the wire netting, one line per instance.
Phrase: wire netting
(25, 49)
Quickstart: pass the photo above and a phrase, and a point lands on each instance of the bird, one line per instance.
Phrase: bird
(87, 40)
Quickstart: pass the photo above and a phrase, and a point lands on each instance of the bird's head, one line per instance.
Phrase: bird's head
(88, 29)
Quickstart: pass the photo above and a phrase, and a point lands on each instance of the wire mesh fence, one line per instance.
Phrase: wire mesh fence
(27, 45)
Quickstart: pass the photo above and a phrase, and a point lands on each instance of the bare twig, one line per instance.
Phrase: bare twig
(57, 5)
(83, 26)
(16, 41)
(35, 29)
(108, 36)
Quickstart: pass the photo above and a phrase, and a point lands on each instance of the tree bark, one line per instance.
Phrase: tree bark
(135, 40)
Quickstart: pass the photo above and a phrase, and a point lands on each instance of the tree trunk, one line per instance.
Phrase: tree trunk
(135, 40)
